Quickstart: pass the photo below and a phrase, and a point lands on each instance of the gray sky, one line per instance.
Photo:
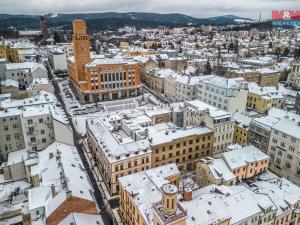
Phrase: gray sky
(196, 8)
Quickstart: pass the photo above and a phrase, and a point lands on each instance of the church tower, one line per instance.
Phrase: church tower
(81, 47)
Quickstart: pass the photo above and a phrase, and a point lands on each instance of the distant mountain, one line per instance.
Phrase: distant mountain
(115, 20)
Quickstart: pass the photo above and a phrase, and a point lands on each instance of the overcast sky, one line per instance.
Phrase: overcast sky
(196, 8)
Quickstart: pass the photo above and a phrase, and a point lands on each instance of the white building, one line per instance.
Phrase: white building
(226, 94)
(197, 113)
(25, 72)
(57, 59)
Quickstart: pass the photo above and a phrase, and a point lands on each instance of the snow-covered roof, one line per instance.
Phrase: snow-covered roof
(243, 156)
(282, 192)
(214, 112)
(56, 161)
(24, 65)
(109, 61)
(145, 187)
(289, 127)
(81, 219)
(160, 133)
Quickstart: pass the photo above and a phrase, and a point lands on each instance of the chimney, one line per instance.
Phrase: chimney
(69, 194)
(187, 194)
(53, 191)
(50, 155)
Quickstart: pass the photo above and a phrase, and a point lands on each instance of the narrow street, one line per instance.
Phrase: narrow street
(106, 216)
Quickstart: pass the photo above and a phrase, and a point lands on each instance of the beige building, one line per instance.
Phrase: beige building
(181, 146)
(11, 134)
(116, 156)
(124, 144)
(150, 198)
(197, 113)
(284, 148)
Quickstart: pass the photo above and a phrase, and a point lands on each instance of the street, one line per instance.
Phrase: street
(106, 216)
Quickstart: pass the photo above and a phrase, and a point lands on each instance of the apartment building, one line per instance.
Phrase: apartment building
(11, 48)
(155, 79)
(249, 75)
(37, 126)
(124, 144)
(226, 94)
(98, 78)
(246, 162)
(25, 72)
(57, 58)
(214, 171)
(259, 62)
(181, 146)
(235, 165)
(284, 196)
(47, 186)
(148, 199)
(131, 196)
(260, 131)
(294, 75)
(261, 99)
(284, 148)
(32, 124)
(174, 86)
(268, 77)
(116, 155)
(241, 128)
(197, 113)
(11, 133)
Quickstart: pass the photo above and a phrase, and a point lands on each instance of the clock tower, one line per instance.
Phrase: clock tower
(81, 47)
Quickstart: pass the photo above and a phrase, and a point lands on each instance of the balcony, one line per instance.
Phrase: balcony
(30, 125)
(34, 143)
(31, 133)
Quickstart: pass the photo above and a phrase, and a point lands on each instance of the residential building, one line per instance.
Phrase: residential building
(214, 171)
(11, 133)
(284, 148)
(235, 165)
(197, 113)
(283, 194)
(261, 99)
(181, 146)
(260, 131)
(259, 62)
(294, 76)
(116, 155)
(226, 94)
(132, 197)
(12, 47)
(126, 144)
(33, 125)
(148, 199)
(99, 79)
(241, 128)
(249, 75)
(246, 162)
(25, 72)
(44, 188)
(268, 77)
(177, 64)
(57, 59)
